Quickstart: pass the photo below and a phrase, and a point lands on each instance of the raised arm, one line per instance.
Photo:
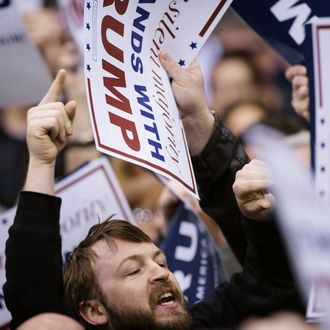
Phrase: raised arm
(33, 250)
(217, 154)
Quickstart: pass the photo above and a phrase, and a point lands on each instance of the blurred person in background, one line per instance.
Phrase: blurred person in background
(236, 78)
(239, 116)
(44, 29)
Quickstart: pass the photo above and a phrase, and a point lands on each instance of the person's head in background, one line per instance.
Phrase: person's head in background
(142, 190)
(50, 321)
(236, 78)
(239, 116)
(45, 29)
(236, 35)
(294, 132)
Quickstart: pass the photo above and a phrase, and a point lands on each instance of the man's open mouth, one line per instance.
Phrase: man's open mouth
(167, 298)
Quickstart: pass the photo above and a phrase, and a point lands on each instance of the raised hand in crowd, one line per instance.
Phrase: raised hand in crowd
(188, 90)
(250, 188)
(49, 126)
(297, 75)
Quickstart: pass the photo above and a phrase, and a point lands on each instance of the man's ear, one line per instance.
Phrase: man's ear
(93, 312)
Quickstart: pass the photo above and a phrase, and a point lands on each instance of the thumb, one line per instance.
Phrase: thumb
(55, 89)
(170, 66)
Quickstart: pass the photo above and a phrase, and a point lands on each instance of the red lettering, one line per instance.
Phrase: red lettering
(120, 5)
(128, 131)
(120, 102)
(111, 23)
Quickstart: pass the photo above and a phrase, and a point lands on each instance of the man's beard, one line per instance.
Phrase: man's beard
(131, 318)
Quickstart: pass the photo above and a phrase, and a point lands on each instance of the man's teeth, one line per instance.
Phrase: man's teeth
(166, 298)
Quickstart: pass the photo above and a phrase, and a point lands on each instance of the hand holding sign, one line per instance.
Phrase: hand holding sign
(189, 93)
(249, 188)
(49, 124)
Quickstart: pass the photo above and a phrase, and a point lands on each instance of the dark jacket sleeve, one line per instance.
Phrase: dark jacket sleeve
(215, 170)
(266, 284)
(33, 259)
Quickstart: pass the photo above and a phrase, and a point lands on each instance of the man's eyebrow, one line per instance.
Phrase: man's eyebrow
(138, 257)
(159, 253)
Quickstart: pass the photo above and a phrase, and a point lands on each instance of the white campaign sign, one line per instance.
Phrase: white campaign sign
(89, 195)
(302, 215)
(24, 77)
(320, 35)
(132, 107)
(321, 51)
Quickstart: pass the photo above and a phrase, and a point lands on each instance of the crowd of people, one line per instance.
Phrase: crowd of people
(117, 277)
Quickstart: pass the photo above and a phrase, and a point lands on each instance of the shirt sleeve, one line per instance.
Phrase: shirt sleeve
(33, 259)
(215, 169)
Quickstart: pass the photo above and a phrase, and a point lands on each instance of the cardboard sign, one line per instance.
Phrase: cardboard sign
(318, 67)
(89, 195)
(302, 216)
(319, 78)
(281, 22)
(192, 256)
(24, 77)
(132, 107)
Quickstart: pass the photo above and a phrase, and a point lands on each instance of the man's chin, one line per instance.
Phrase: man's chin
(172, 319)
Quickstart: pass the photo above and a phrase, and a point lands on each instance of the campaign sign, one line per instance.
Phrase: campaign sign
(319, 78)
(132, 107)
(24, 76)
(192, 256)
(303, 217)
(281, 22)
(89, 195)
(318, 67)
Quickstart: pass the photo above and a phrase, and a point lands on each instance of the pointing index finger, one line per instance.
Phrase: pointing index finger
(55, 88)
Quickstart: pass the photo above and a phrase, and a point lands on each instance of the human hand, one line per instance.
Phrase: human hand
(188, 90)
(297, 75)
(49, 124)
(250, 187)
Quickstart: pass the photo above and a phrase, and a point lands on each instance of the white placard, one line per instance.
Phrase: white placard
(24, 77)
(319, 33)
(321, 51)
(302, 216)
(89, 195)
(132, 107)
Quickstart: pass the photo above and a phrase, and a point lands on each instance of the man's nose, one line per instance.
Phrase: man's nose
(158, 273)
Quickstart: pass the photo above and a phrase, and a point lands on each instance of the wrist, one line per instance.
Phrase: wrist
(198, 129)
(40, 176)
